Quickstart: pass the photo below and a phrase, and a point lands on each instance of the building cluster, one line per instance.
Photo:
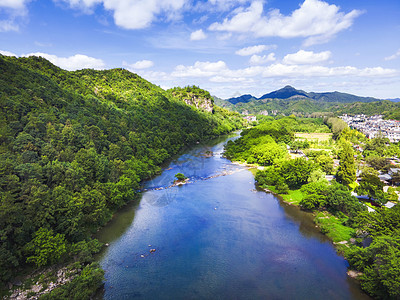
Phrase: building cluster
(250, 119)
(371, 126)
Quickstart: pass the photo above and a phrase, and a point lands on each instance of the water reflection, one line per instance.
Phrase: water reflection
(219, 238)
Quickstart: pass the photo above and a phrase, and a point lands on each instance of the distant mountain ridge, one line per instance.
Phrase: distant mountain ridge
(244, 99)
(289, 92)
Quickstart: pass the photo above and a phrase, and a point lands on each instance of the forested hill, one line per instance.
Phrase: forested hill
(290, 93)
(74, 147)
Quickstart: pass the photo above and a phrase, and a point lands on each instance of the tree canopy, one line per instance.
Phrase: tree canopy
(74, 147)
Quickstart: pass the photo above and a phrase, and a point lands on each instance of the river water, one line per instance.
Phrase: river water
(218, 238)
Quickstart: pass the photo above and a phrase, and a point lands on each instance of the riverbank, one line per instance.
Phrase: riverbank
(328, 224)
(222, 226)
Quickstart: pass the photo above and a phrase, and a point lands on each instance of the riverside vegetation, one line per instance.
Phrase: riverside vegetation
(74, 147)
(338, 214)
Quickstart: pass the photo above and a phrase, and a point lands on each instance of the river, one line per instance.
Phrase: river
(218, 238)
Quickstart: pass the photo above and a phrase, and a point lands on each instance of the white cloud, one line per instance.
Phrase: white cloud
(241, 80)
(8, 25)
(200, 69)
(72, 63)
(306, 57)
(321, 71)
(314, 19)
(260, 60)
(7, 53)
(254, 49)
(217, 5)
(226, 4)
(220, 69)
(133, 14)
(198, 35)
(139, 65)
(13, 4)
(153, 76)
(394, 56)
(14, 10)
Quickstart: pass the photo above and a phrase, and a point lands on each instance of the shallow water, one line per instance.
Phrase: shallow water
(218, 238)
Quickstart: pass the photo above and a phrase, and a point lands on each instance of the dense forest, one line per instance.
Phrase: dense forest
(74, 147)
(370, 240)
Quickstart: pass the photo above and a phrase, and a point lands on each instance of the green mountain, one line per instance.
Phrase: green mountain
(290, 93)
(244, 99)
(284, 93)
(288, 101)
(75, 146)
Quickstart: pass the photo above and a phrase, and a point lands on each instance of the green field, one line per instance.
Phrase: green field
(314, 136)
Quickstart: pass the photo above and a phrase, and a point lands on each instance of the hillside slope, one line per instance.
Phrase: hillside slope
(74, 147)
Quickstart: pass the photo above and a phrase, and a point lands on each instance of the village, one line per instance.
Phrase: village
(371, 126)
(389, 171)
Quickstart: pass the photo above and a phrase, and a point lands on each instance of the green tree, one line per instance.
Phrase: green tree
(371, 186)
(339, 198)
(325, 162)
(296, 172)
(45, 247)
(314, 195)
(317, 175)
(265, 154)
(380, 264)
(346, 172)
(180, 176)
(378, 163)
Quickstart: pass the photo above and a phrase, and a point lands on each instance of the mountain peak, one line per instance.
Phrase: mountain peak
(284, 93)
(288, 87)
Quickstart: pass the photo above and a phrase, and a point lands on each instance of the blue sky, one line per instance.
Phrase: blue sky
(229, 47)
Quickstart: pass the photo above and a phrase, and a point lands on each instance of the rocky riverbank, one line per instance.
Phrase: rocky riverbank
(42, 282)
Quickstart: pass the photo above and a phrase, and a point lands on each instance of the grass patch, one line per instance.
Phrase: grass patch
(293, 196)
(333, 227)
(314, 136)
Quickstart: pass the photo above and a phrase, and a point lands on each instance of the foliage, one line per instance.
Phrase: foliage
(380, 261)
(74, 147)
(271, 176)
(337, 126)
(296, 172)
(81, 287)
(380, 222)
(293, 196)
(378, 163)
(376, 147)
(180, 176)
(299, 144)
(286, 174)
(346, 172)
(335, 198)
(262, 144)
(371, 186)
(46, 247)
(380, 264)
(334, 227)
(314, 195)
(193, 95)
(317, 175)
